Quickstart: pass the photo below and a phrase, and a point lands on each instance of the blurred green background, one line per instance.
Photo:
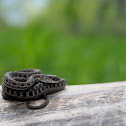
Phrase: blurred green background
(83, 41)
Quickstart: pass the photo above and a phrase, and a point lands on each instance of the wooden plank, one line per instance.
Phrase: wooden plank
(79, 105)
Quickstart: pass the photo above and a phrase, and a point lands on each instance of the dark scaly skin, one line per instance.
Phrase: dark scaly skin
(30, 84)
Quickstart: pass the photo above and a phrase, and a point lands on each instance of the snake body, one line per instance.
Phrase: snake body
(30, 84)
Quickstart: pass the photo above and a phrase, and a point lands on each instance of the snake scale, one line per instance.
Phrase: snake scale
(30, 84)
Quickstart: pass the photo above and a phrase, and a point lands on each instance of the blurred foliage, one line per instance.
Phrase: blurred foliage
(82, 41)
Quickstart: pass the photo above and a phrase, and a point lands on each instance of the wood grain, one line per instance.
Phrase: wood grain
(79, 105)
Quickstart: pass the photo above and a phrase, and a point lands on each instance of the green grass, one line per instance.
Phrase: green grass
(81, 59)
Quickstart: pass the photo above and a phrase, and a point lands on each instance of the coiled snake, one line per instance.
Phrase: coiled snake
(30, 84)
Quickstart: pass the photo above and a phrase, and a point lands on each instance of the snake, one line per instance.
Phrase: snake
(30, 84)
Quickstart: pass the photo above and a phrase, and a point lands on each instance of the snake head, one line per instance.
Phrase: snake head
(47, 78)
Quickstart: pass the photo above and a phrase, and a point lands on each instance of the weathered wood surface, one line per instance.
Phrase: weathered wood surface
(80, 105)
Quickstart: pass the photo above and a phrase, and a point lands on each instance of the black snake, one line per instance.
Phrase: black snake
(30, 84)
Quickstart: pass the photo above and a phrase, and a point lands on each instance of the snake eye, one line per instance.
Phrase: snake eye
(6, 80)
